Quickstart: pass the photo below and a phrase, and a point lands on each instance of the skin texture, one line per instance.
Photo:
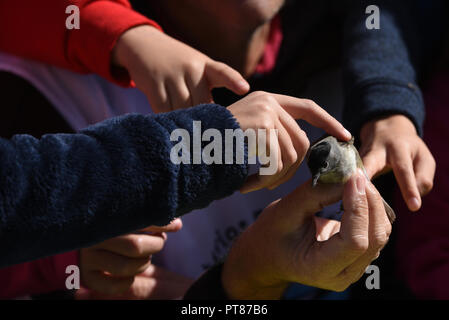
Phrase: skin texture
(262, 110)
(389, 143)
(299, 247)
(121, 268)
(392, 143)
(170, 73)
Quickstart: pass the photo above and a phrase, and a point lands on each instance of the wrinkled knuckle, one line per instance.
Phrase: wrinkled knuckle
(377, 197)
(357, 245)
(388, 231)
(381, 239)
(360, 206)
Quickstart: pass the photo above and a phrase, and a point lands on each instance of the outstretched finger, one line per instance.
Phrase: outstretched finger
(312, 113)
(219, 75)
(425, 166)
(402, 165)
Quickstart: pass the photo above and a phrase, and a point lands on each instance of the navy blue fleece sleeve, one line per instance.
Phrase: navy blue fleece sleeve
(66, 191)
(379, 76)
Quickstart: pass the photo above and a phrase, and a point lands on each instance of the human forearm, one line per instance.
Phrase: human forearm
(68, 191)
(85, 50)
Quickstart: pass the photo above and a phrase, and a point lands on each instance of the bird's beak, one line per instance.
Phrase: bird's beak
(315, 179)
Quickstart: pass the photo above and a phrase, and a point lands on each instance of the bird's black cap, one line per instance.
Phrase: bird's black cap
(318, 156)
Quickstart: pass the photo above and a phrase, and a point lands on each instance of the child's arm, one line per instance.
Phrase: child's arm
(37, 30)
(119, 44)
(67, 191)
(384, 105)
(170, 73)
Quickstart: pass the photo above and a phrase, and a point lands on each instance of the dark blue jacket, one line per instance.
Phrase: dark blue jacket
(378, 65)
(66, 191)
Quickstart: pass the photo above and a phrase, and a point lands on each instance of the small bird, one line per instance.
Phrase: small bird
(333, 161)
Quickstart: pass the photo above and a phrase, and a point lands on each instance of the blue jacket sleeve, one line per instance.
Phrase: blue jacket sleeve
(379, 75)
(67, 191)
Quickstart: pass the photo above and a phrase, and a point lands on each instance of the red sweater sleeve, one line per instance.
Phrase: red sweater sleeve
(37, 30)
(36, 277)
(423, 237)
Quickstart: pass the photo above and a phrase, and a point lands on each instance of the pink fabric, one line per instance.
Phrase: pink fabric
(272, 47)
(36, 277)
(423, 237)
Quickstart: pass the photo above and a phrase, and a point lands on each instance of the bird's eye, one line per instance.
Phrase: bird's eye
(326, 165)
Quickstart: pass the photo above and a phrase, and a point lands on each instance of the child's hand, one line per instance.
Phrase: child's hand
(155, 283)
(392, 143)
(111, 267)
(262, 110)
(171, 74)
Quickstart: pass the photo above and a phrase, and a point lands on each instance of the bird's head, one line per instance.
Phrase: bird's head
(323, 158)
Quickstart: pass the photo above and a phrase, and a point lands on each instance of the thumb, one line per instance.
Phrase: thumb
(345, 247)
(305, 201)
(219, 75)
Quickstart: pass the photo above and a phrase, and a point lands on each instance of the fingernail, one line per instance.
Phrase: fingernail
(348, 134)
(414, 204)
(242, 84)
(360, 182)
